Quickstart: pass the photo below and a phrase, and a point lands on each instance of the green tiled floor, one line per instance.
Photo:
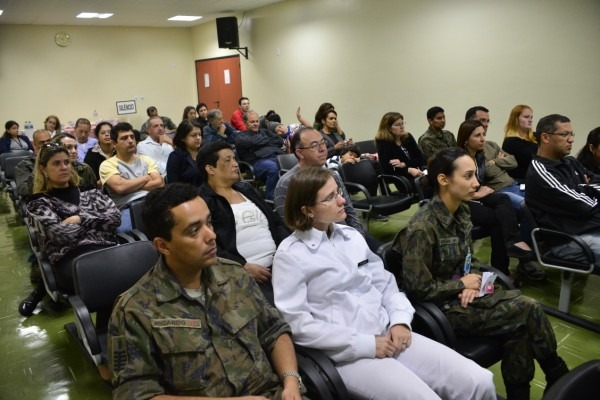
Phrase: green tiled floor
(38, 360)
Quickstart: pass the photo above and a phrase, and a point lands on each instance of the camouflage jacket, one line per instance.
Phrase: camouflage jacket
(433, 251)
(161, 341)
(431, 142)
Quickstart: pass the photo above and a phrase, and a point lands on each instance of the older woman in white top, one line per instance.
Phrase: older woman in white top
(337, 297)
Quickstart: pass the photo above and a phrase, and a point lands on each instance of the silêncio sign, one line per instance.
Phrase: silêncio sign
(126, 107)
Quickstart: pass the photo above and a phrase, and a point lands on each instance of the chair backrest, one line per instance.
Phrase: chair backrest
(136, 215)
(362, 173)
(5, 156)
(10, 166)
(392, 260)
(367, 146)
(582, 382)
(100, 276)
(286, 161)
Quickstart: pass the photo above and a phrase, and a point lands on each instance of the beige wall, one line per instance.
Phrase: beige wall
(100, 67)
(365, 56)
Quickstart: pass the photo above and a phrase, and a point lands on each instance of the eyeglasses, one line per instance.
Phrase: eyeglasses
(333, 196)
(485, 121)
(562, 134)
(314, 146)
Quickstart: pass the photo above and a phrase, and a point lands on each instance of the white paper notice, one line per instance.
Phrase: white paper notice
(487, 283)
(206, 80)
(227, 77)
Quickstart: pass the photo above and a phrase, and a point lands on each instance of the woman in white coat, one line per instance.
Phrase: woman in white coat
(337, 297)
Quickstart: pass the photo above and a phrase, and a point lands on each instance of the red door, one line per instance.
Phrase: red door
(219, 82)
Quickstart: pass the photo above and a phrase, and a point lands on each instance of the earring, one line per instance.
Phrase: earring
(310, 215)
(45, 175)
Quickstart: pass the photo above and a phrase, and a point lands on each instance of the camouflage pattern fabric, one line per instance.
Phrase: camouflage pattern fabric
(431, 142)
(162, 341)
(434, 247)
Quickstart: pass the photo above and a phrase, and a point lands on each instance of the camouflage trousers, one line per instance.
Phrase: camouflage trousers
(523, 326)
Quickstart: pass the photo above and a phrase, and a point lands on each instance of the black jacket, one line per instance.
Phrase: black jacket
(223, 220)
(559, 198)
(252, 147)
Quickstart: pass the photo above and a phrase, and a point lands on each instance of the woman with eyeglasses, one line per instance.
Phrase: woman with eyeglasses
(397, 149)
(71, 222)
(181, 165)
(589, 155)
(12, 140)
(519, 140)
(102, 151)
(436, 257)
(248, 230)
(337, 297)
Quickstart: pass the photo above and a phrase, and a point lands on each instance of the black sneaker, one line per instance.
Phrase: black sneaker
(381, 218)
(30, 303)
(531, 270)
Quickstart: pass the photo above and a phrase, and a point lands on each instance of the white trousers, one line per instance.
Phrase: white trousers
(426, 370)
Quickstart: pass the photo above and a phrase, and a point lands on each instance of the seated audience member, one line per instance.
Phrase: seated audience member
(12, 140)
(334, 137)
(87, 178)
(270, 116)
(152, 111)
(189, 114)
(103, 150)
(202, 111)
(471, 137)
(217, 129)
(84, 141)
(73, 222)
(337, 297)
(237, 118)
(589, 155)
(321, 113)
(435, 249)
(260, 148)
(519, 139)
(309, 147)
(397, 149)
(157, 145)
(195, 324)
(561, 193)
(127, 176)
(181, 166)
(52, 125)
(248, 230)
(435, 137)
(25, 168)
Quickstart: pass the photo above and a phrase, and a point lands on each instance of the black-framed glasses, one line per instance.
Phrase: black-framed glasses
(314, 146)
(333, 196)
(562, 134)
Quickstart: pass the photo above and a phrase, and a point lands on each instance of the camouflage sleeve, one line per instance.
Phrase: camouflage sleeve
(135, 374)
(427, 147)
(418, 259)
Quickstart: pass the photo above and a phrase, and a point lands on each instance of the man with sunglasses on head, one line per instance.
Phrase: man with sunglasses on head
(311, 150)
(561, 193)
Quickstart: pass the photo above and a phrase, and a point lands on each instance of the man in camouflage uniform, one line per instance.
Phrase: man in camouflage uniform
(435, 137)
(434, 247)
(196, 325)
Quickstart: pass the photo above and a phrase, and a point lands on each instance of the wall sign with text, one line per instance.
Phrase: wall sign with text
(126, 107)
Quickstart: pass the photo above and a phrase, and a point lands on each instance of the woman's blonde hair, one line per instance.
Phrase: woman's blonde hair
(383, 133)
(512, 125)
(41, 184)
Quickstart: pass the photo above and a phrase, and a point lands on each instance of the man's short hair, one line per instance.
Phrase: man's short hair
(149, 109)
(38, 131)
(242, 98)
(473, 110)
(247, 114)
(120, 127)
(156, 213)
(547, 124)
(82, 121)
(209, 155)
(200, 105)
(297, 137)
(212, 114)
(433, 111)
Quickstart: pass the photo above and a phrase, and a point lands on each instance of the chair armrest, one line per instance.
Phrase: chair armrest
(124, 238)
(424, 324)
(586, 267)
(245, 166)
(501, 276)
(327, 367)
(139, 235)
(48, 277)
(399, 180)
(85, 325)
(358, 187)
(442, 321)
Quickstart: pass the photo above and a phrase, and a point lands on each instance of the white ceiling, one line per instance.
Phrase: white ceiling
(148, 13)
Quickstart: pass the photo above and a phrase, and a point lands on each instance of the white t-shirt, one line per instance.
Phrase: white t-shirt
(253, 238)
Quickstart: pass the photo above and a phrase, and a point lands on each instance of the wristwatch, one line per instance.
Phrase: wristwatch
(296, 375)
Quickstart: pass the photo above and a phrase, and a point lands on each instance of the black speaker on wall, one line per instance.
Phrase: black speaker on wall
(227, 32)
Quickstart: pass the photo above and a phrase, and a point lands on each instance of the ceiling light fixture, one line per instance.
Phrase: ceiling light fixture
(184, 18)
(94, 15)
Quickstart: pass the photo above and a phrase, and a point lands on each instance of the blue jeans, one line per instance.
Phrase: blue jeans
(268, 171)
(516, 196)
(571, 251)
(126, 225)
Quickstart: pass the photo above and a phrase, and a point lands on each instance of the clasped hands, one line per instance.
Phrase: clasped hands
(397, 340)
(472, 284)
